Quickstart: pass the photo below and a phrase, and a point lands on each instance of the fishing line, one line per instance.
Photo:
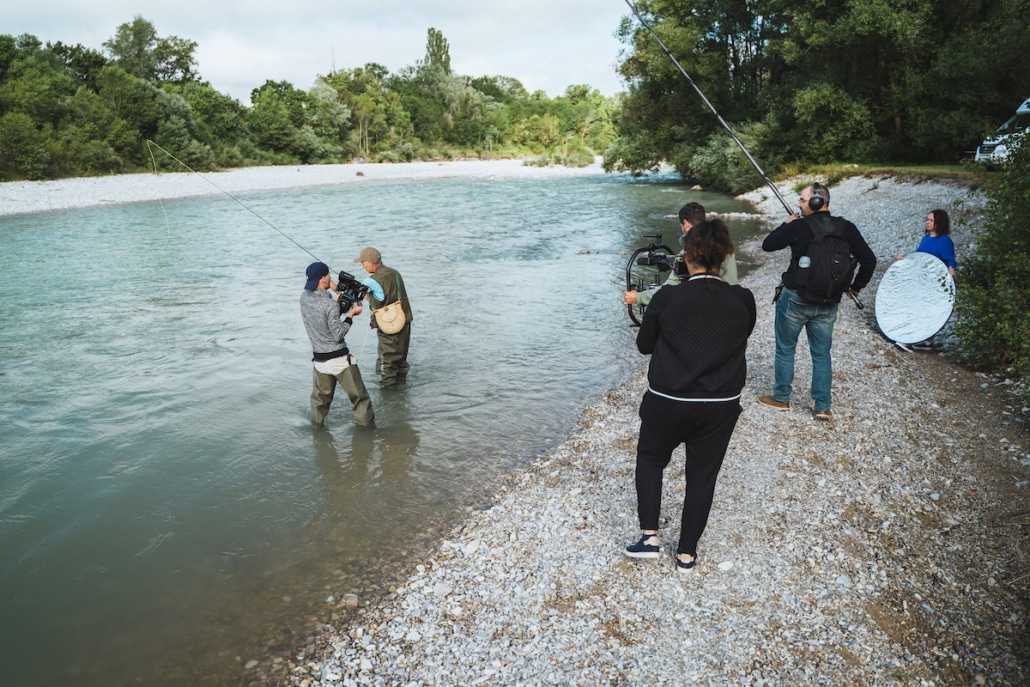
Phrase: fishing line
(168, 224)
(668, 53)
(151, 145)
(229, 195)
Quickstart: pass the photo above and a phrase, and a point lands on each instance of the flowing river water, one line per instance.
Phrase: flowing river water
(167, 513)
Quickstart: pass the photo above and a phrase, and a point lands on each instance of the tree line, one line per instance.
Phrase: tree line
(911, 81)
(77, 111)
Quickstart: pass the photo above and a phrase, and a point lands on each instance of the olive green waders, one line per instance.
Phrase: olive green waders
(392, 362)
(323, 388)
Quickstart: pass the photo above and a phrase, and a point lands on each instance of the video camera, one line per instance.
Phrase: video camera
(645, 267)
(350, 290)
(663, 262)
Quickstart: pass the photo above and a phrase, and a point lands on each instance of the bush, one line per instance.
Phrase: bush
(992, 303)
(833, 125)
(721, 165)
(23, 151)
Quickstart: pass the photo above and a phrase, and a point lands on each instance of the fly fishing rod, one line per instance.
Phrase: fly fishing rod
(729, 130)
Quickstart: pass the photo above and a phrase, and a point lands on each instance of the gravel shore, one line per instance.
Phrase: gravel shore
(887, 547)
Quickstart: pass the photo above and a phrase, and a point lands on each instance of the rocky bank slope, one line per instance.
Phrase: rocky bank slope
(887, 547)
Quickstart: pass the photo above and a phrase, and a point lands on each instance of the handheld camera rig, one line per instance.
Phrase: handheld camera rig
(645, 268)
(350, 290)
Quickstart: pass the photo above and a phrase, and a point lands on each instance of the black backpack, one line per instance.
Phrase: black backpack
(830, 268)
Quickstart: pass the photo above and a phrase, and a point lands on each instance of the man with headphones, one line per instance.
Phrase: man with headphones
(794, 312)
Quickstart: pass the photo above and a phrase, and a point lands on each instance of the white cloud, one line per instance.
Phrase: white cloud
(548, 45)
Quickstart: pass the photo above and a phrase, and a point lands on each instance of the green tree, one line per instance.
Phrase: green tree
(133, 48)
(438, 52)
(175, 59)
(92, 135)
(856, 80)
(270, 120)
(134, 102)
(23, 151)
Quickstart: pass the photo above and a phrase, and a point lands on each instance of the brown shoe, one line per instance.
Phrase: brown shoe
(823, 415)
(773, 403)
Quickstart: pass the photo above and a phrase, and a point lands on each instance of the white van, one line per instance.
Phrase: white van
(996, 148)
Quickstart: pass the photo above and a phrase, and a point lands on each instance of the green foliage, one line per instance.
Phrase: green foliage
(721, 163)
(832, 124)
(23, 152)
(438, 52)
(914, 81)
(992, 303)
(87, 113)
(132, 48)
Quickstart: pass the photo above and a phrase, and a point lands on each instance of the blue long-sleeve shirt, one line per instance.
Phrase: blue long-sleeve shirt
(941, 246)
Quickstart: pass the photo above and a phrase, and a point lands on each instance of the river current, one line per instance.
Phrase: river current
(167, 513)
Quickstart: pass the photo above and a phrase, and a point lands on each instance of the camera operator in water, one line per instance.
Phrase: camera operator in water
(391, 319)
(322, 309)
(690, 216)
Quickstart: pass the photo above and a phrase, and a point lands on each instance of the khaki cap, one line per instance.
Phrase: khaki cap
(369, 254)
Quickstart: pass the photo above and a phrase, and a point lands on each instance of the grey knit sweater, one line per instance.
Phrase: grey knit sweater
(321, 315)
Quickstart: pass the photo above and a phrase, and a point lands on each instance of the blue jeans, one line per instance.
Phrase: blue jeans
(792, 315)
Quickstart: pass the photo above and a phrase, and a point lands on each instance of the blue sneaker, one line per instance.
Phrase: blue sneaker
(682, 565)
(647, 547)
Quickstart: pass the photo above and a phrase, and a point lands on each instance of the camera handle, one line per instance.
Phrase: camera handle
(636, 312)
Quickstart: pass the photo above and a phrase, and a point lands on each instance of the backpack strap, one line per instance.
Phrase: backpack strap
(825, 221)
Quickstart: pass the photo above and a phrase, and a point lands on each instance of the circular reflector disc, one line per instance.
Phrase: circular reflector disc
(915, 298)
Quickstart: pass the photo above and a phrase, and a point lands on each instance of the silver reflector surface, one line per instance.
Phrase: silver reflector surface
(915, 298)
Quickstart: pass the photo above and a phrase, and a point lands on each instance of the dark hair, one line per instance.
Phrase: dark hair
(708, 244)
(941, 222)
(692, 212)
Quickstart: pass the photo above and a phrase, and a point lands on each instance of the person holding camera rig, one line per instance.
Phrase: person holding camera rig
(321, 308)
(690, 216)
(696, 334)
(812, 231)
(386, 286)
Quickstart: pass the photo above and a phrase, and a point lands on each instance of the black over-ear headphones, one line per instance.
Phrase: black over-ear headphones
(817, 199)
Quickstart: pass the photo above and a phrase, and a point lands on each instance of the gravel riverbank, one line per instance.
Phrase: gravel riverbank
(887, 547)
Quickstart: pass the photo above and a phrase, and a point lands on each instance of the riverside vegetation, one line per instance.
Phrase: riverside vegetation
(856, 80)
(72, 110)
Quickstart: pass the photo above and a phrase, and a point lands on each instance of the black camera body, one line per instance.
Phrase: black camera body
(350, 289)
(664, 262)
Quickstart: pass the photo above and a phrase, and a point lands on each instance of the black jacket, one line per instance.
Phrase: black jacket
(697, 334)
(798, 234)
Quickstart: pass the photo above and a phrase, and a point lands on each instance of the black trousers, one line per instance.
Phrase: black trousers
(705, 428)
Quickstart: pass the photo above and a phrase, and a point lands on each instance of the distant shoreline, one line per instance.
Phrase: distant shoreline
(26, 197)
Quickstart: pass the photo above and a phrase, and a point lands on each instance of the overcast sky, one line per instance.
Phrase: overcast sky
(546, 44)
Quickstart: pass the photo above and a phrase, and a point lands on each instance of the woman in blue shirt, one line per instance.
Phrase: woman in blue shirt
(936, 241)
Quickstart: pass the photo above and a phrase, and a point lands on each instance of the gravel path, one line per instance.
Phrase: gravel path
(888, 547)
